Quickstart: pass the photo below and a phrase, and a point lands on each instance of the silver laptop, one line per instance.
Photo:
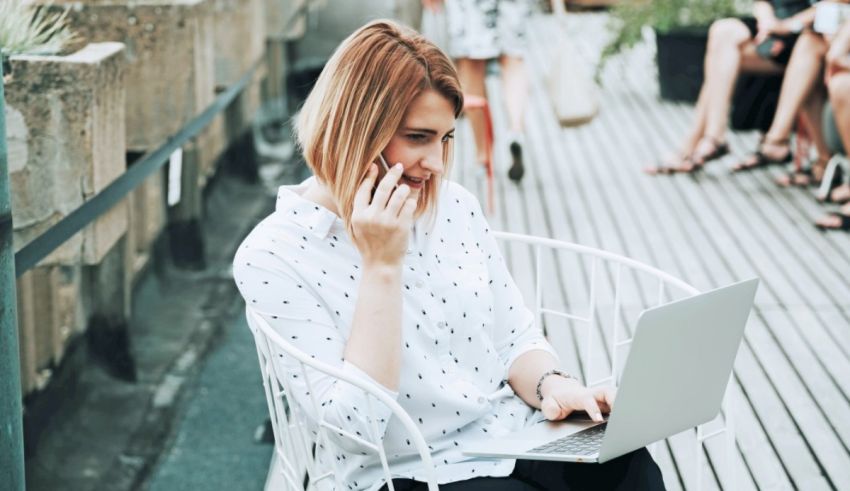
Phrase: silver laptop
(674, 379)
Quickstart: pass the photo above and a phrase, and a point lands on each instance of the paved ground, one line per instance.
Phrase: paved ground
(111, 433)
(215, 445)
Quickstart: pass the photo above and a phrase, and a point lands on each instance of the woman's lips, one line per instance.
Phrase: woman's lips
(414, 183)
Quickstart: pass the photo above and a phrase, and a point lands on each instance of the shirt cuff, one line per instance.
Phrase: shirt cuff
(531, 345)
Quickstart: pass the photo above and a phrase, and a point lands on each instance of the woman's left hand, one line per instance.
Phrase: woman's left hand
(562, 396)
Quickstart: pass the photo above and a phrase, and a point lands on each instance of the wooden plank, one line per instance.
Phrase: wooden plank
(757, 257)
(791, 386)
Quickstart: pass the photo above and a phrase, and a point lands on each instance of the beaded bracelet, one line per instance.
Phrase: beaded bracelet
(550, 372)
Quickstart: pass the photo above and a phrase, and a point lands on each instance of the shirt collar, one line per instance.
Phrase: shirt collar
(315, 218)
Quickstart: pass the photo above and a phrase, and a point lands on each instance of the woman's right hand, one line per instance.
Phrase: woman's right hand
(381, 223)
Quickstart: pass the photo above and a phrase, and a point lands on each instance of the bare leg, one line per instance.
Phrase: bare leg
(839, 96)
(812, 117)
(471, 74)
(515, 92)
(804, 70)
(515, 83)
(730, 51)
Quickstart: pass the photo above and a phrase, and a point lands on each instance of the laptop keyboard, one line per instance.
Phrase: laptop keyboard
(585, 442)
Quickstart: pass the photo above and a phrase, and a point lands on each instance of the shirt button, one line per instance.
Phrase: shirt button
(420, 283)
(442, 324)
(481, 400)
(488, 420)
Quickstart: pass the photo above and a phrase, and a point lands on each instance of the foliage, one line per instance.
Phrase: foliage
(629, 17)
(30, 29)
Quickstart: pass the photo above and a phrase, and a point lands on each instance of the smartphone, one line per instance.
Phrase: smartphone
(383, 169)
(765, 48)
(385, 166)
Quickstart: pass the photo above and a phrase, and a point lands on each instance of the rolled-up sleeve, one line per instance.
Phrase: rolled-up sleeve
(515, 331)
(294, 312)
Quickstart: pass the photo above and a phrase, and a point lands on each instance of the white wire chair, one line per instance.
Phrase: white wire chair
(298, 464)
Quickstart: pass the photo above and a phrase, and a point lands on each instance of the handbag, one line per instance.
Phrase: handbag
(571, 89)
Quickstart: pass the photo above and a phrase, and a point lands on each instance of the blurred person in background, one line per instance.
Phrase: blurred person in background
(802, 95)
(838, 83)
(481, 30)
(758, 44)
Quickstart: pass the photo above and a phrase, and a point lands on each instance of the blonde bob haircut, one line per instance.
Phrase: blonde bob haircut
(359, 102)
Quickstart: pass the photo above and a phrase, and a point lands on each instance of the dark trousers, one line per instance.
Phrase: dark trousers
(634, 471)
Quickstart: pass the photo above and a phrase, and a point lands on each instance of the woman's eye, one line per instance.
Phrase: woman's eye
(448, 137)
(417, 137)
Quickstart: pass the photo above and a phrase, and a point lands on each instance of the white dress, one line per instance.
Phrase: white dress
(484, 29)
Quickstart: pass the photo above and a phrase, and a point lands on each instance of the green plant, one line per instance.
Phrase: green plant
(31, 29)
(629, 17)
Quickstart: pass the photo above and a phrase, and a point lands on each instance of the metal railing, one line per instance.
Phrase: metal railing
(13, 265)
(11, 425)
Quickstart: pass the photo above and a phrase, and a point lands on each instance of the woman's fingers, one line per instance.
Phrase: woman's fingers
(386, 186)
(397, 200)
(551, 409)
(407, 211)
(605, 397)
(364, 192)
(590, 405)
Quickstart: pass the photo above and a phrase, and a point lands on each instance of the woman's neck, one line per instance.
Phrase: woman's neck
(320, 194)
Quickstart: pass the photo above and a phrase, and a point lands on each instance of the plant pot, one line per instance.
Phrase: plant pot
(65, 135)
(679, 56)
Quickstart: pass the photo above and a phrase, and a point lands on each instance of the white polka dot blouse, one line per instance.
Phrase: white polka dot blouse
(464, 323)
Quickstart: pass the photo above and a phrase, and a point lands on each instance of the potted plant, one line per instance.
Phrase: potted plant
(681, 32)
(25, 30)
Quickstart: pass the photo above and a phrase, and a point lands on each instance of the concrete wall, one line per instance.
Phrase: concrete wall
(65, 116)
(170, 80)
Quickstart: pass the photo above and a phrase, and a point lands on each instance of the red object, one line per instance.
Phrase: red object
(474, 102)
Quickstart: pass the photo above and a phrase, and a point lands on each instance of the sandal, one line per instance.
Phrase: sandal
(685, 165)
(843, 224)
(799, 178)
(839, 198)
(759, 159)
(718, 149)
(832, 178)
(803, 178)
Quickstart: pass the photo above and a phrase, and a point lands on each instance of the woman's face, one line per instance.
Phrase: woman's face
(427, 127)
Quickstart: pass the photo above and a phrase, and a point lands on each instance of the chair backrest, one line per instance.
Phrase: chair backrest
(601, 291)
(299, 437)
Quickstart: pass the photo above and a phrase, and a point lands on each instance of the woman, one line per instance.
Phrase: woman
(398, 280)
(762, 44)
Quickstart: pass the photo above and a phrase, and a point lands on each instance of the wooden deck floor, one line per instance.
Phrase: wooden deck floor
(792, 376)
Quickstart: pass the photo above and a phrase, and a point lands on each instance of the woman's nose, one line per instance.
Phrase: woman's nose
(433, 161)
